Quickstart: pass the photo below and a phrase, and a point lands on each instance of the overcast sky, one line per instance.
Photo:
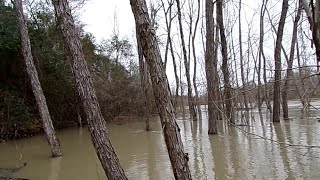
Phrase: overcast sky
(99, 17)
(102, 17)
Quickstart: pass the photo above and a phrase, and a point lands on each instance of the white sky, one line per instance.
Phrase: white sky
(99, 18)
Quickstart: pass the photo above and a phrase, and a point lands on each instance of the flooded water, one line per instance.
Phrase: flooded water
(236, 153)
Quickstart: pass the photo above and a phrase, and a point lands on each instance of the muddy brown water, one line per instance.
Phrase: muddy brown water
(233, 154)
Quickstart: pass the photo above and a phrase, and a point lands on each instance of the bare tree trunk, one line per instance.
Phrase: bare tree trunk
(51, 137)
(181, 91)
(219, 96)
(244, 83)
(84, 85)
(210, 74)
(237, 103)
(261, 52)
(304, 92)
(290, 63)
(168, 26)
(169, 40)
(225, 70)
(144, 83)
(277, 60)
(313, 13)
(195, 63)
(179, 160)
(192, 111)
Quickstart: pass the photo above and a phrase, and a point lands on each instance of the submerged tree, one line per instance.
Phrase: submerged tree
(290, 63)
(84, 86)
(35, 83)
(210, 69)
(151, 52)
(277, 61)
(225, 70)
(192, 108)
(244, 83)
(144, 77)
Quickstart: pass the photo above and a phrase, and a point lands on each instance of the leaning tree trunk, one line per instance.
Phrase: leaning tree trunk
(84, 86)
(225, 69)
(290, 63)
(192, 109)
(277, 60)
(151, 52)
(209, 66)
(35, 83)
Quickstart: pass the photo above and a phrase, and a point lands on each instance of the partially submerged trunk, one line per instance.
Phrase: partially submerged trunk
(225, 70)
(144, 84)
(243, 79)
(35, 83)
(261, 53)
(192, 109)
(147, 37)
(289, 68)
(84, 86)
(277, 60)
(209, 66)
(195, 64)
(144, 77)
(169, 20)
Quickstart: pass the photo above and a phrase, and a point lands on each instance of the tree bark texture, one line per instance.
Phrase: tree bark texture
(277, 60)
(178, 159)
(35, 83)
(290, 63)
(225, 70)
(84, 86)
(209, 66)
(192, 109)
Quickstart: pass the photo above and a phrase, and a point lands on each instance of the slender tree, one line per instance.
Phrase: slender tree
(225, 70)
(195, 62)
(144, 78)
(84, 86)
(290, 63)
(168, 19)
(244, 83)
(151, 52)
(261, 53)
(209, 66)
(35, 83)
(277, 60)
(192, 111)
(266, 92)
